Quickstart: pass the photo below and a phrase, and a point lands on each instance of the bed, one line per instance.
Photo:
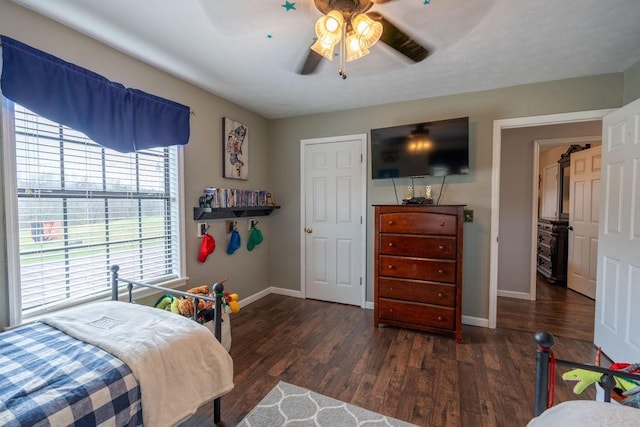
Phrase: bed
(114, 363)
(577, 412)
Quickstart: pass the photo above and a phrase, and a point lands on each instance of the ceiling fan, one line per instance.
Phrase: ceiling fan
(349, 16)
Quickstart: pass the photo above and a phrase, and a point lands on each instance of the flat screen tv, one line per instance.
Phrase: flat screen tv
(422, 149)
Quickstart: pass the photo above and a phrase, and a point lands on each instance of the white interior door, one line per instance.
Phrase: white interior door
(549, 203)
(584, 212)
(333, 221)
(617, 322)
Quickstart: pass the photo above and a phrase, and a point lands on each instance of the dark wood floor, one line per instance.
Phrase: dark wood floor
(428, 380)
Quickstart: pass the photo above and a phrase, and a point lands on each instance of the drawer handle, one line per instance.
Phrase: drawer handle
(391, 244)
(391, 223)
(440, 295)
(440, 271)
(441, 247)
(442, 224)
(439, 317)
(391, 267)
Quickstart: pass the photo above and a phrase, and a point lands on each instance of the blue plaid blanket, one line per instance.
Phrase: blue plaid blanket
(48, 378)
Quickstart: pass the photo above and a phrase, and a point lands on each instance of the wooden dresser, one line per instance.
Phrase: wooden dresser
(418, 267)
(552, 250)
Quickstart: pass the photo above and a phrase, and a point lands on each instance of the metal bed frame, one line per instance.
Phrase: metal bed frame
(544, 361)
(218, 289)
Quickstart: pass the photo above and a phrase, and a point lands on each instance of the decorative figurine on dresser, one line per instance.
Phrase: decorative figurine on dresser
(418, 267)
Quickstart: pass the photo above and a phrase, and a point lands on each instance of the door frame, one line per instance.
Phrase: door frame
(498, 127)
(362, 137)
(555, 142)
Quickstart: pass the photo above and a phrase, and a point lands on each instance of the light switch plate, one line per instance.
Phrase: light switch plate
(468, 215)
(202, 228)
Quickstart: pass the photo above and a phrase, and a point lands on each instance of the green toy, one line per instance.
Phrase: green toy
(168, 302)
(585, 378)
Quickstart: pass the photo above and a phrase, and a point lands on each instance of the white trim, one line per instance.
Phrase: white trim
(534, 222)
(182, 219)
(475, 321)
(363, 209)
(11, 214)
(513, 294)
(498, 127)
(467, 320)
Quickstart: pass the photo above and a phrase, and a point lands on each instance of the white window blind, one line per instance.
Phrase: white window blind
(82, 208)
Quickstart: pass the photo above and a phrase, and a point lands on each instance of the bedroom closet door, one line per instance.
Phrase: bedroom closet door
(618, 287)
(333, 222)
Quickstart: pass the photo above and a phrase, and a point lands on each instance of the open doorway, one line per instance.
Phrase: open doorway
(516, 224)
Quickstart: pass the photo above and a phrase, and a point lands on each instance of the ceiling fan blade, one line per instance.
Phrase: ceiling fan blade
(311, 63)
(399, 40)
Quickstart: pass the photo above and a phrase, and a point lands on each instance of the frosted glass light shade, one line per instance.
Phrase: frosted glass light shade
(324, 49)
(330, 26)
(354, 47)
(368, 30)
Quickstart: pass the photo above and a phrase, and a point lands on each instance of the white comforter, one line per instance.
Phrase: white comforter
(178, 362)
(586, 413)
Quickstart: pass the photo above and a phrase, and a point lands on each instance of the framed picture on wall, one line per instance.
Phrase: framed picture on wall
(236, 149)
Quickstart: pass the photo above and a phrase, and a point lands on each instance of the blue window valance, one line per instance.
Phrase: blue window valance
(112, 115)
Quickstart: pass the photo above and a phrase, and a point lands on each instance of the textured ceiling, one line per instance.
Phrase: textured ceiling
(249, 51)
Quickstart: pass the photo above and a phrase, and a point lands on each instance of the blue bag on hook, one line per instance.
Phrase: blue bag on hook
(234, 242)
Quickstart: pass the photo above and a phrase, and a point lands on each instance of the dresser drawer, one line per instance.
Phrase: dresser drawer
(546, 226)
(417, 268)
(418, 291)
(418, 246)
(421, 314)
(544, 251)
(543, 263)
(544, 238)
(418, 223)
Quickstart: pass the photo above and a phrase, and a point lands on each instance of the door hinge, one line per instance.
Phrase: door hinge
(360, 219)
(361, 281)
(361, 157)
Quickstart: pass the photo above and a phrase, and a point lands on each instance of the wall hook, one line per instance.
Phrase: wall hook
(231, 225)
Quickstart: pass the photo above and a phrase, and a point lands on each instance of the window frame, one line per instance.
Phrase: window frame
(12, 237)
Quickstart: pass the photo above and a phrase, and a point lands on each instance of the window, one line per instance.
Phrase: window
(74, 208)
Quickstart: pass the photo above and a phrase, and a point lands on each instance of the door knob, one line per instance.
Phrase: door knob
(570, 228)
(309, 230)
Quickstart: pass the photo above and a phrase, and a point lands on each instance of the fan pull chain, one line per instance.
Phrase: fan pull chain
(343, 53)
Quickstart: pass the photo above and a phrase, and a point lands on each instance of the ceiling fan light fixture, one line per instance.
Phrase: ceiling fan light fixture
(368, 30)
(323, 49)
(330, 25)
(354, 47)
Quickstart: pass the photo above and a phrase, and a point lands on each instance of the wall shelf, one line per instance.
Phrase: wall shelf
(219, 213)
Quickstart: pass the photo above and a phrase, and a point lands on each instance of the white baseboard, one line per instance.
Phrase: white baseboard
(467, 320)
(512, 294)
(271, 290)
(475, 321)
